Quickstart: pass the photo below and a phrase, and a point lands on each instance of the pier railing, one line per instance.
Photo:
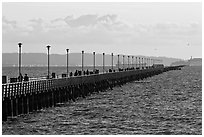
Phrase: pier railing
(25, 97)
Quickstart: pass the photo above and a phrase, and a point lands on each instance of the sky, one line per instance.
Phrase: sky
(150, 29)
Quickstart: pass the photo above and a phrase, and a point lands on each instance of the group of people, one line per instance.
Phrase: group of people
(21, 78)
(76, 73)
(87, 72)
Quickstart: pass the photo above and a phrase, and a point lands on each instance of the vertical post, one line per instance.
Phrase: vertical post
(152, 62)
(142, 63)
(48, 61)
(19, 71)
(123, 61)
(148, 62)
(135, 62)
(103, 62)
(118, 62)
(82, 63)
(128, 61)
(94, 61)
(139, 62)
(132, 62)
(67, 62)
(112, 61)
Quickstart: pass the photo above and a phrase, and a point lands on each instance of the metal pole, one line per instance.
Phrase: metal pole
(132, 61)
(148, 62)
(128, 61)
(82, 64)
(67, 62)
(144, 62)
(123, 61)
(136, 62)
(112, 60)
(118, 62)
(94, 61)
(48, 61)
(103, 62)
(139, 62)
(19, 44)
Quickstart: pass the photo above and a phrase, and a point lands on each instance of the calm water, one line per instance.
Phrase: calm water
(169, 103)
(42, 71)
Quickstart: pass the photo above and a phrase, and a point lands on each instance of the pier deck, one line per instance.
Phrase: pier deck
(24, 97)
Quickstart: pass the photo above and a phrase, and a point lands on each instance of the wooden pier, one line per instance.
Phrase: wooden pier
(25, 97)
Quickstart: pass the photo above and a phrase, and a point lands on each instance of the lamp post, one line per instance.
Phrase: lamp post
(128, 61)
(118, 62)
(145, 63)
(132, 61)
(82, 63)
(103, 62)
(112, 61)
(123, 61)
(48, 61)
(67, 62)
(94, 61)
(136, 62)
(19, 44)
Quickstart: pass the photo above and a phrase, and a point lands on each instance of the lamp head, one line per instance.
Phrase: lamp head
(19, 44)
(48, 47)
(67, 50)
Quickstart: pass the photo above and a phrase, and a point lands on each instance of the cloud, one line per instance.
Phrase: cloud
(8, 24)
(100, 30)
(84, 20)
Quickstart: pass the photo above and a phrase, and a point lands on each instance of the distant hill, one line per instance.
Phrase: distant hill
(190, 62)
(40, 59)
(195, 62)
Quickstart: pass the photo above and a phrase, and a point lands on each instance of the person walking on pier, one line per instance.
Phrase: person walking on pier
(20, 78)
(26, 78)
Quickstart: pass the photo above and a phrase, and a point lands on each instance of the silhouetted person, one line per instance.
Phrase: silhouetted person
(87, 72)
(20, 78)
(110, 70)
(79, 73)
(76, 73)
(70, 74)
(26, 78)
